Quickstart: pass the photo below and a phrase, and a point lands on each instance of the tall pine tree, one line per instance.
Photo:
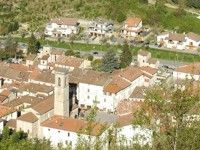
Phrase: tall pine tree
(10, 47)
(33, 45)
(109, 62)
(126, 56)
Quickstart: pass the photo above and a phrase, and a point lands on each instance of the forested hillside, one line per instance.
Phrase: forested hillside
(36, 13)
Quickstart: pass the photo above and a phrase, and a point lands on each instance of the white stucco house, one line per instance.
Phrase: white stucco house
(132, 27)
(68, 131)
(134, 135)
(191, 71)
(100, 28)
(179, 41)
(62, 27)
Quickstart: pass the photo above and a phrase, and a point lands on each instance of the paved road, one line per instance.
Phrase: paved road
(196, 12)
(175, 50)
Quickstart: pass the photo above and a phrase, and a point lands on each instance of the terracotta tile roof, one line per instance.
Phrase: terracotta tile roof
(24, 99)
(149, 70)
(191, 68)
(133, 21)
(193, 36)
(34, 73)
(116, 85)
(45, 57)
(69, 61)
(130, 73)
(2, 98)
(31, 57)
(4, 110)
(35, 88)
(124, 120)
(176, 37)
(5, 93)
(28, 117)
(12, 124)
(43, 76)
(138, 92)
(76, 75)
(88, 76)
(19, 67)
(65, 21)
(14, 71)
(94, 77)
(143, 52)
(73, 125)
(127, 107)
(45, 105)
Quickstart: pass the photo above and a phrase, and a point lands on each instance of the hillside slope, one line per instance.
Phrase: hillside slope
(37, 12)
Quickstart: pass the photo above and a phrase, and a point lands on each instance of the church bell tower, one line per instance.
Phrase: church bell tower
(61, 92)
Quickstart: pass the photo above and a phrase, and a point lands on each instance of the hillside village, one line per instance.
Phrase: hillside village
(50, 95)
(71, 95)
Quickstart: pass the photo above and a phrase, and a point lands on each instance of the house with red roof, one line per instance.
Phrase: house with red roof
(131, 27)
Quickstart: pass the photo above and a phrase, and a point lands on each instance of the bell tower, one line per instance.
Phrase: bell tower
(61, 92)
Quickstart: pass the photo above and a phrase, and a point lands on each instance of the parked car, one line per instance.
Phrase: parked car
(95, 53)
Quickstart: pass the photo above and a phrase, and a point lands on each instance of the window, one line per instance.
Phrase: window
(58, 131)
(180, 43)
(59, 81)
(68, 134)
(104, 100)
(88, 90)
(48, 129)
(88, 96)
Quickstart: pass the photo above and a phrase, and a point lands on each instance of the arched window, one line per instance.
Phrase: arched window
(59, 82)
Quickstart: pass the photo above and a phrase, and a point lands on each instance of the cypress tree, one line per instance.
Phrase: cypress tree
(33, 45)
(126, 56)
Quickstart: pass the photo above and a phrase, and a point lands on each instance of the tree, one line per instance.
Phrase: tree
(96, 64)
(165, 110)
(32, 45)
(143, 1)
(10, 47)
(181, 7)
(126, 56)
(110, 61)
(69, 52)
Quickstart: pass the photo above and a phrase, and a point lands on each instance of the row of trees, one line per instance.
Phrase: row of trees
(8, 27)
(11, 48)
(110, 61)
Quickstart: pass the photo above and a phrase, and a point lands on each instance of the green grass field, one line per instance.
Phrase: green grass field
(156, 53)
(170, 55)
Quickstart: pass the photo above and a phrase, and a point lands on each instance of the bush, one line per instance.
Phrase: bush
(90, 58)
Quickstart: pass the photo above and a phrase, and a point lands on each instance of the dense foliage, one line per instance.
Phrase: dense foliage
(166, 110)
(126, 56)
(33, 45)
(190, 3)
(18, 140)
(109, 61)
(37, 13)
